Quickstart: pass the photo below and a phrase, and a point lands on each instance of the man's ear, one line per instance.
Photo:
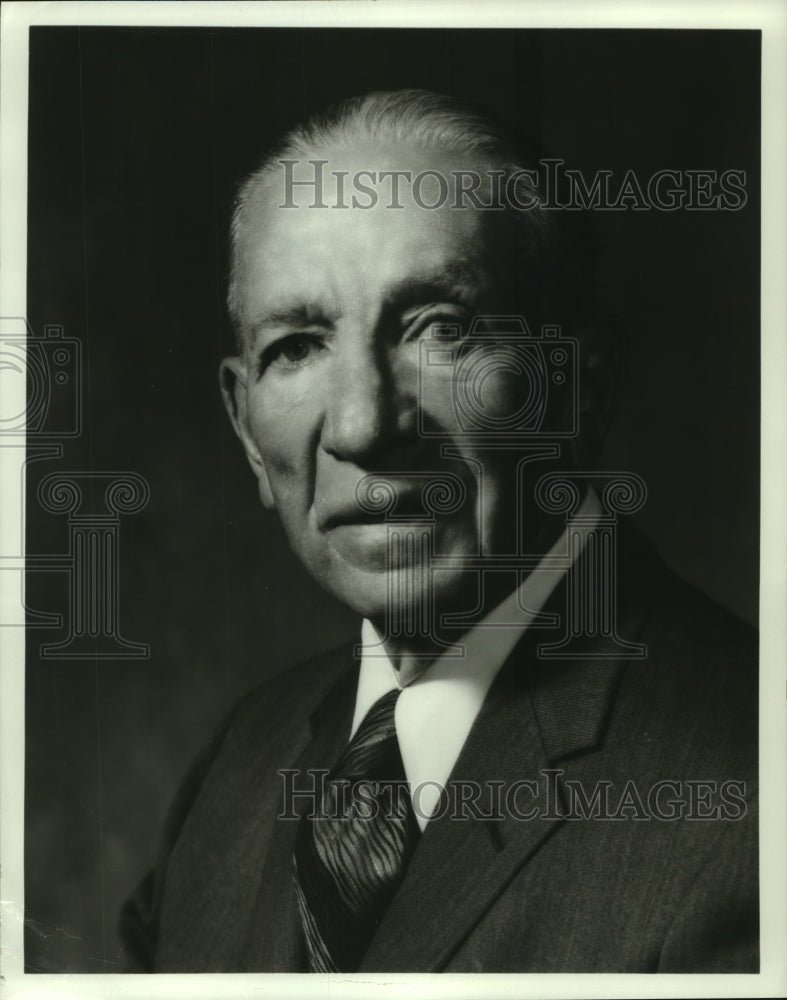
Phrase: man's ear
(603, 350)
(233, 378)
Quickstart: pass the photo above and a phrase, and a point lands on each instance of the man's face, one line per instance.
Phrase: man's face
(335, 305)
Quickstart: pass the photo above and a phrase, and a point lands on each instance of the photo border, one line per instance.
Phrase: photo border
(770, 17)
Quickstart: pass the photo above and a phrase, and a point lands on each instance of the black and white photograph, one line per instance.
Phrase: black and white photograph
(393, 474)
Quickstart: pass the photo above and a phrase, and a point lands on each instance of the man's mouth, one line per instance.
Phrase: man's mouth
(406, 507)
(356, 517)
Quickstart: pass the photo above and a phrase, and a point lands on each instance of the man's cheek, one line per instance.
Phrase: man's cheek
(437, 402)
(284, 442)
(291, 492)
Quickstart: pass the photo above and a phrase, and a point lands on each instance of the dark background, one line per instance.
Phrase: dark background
(136, 139)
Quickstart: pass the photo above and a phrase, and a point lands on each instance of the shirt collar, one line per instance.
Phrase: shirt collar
(436, 711)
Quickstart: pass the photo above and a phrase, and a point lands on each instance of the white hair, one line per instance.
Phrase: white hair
(416, 118)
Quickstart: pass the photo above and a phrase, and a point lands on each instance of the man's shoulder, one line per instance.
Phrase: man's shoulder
(691, 611)
(266, 724)
(688, 630)
(290, 698)
(677, 620)
(263, 730)
(230, 786)
(695, 690)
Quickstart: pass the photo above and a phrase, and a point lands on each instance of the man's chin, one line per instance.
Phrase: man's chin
(406, 601)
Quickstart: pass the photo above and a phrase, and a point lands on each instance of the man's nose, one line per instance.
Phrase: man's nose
(369, 410)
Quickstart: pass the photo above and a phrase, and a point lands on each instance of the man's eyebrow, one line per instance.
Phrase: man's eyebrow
(298, 314)
(442, 282)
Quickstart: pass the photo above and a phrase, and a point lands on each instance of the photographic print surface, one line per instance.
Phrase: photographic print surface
(450, 663)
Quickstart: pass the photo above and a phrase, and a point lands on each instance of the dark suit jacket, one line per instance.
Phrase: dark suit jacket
(637, 893)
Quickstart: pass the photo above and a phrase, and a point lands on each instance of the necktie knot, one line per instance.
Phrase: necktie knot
(374, 748)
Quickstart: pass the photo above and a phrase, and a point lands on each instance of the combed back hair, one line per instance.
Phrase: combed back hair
(425, 120)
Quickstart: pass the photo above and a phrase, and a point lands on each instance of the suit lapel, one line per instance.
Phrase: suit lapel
(275, 942)
(461, 866)
(535, 715)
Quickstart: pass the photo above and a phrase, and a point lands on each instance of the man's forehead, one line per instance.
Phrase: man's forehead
(370, 175)
(372, 187)
(306, 250)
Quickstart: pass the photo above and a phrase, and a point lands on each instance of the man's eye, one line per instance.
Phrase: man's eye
(447, 331)
(449, 328)
(289, 351)
(295, 348)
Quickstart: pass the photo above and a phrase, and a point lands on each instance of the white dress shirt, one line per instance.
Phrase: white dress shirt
(436, 710)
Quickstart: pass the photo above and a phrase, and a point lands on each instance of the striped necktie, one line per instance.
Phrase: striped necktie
(351, 854)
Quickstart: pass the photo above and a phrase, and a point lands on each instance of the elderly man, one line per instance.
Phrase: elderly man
(542, 754)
